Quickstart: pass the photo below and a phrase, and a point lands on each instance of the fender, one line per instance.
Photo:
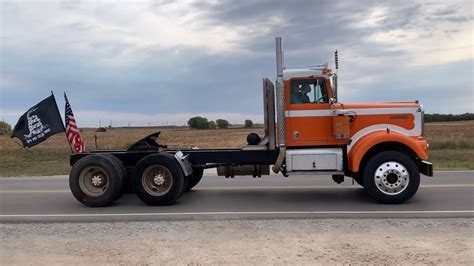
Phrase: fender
(364, 144)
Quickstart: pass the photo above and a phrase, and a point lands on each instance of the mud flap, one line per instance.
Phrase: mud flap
(426, 168)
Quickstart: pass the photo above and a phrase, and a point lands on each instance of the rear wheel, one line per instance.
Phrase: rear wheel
(391, 177)
(158, 180)
(194, 179)
(96, 180)
(125, 180)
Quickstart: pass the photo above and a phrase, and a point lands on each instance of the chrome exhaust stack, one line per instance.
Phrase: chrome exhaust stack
(280, 107)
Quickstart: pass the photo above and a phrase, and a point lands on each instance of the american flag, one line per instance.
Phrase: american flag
(72, 132)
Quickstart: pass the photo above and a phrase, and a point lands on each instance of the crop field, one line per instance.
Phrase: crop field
(51, 157)
(451, 146)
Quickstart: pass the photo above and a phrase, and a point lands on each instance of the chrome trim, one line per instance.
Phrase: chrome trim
(422, 110)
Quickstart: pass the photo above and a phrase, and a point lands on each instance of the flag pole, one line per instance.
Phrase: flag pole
(57, 109)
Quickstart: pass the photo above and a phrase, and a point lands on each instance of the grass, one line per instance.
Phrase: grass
(451, 146)
(46, 161)
(453, 159)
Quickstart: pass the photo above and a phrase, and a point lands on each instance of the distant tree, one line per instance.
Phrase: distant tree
(222, 123)
(5, 128)
(192, 122)
(248, 123)
(198, 122)
(212, 125)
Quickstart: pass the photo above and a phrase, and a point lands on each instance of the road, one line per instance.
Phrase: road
(48, 199)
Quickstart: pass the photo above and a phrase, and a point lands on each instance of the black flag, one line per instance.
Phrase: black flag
(39, 123)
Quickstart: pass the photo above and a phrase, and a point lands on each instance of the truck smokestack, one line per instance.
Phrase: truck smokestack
(280, 106)
(280, 94)
(279, 57)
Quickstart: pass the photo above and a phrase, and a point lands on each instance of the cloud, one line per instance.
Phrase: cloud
(159, 58)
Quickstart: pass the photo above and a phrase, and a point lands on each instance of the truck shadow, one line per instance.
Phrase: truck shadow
(249, 199)
(283, 196)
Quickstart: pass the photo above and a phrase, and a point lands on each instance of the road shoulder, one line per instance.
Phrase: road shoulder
(348, 241)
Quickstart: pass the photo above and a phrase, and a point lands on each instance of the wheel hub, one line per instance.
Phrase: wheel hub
(159, 180)
(96, 181)
(93, 181)
(391, 178)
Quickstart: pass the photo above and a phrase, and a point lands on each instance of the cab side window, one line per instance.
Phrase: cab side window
(308, 91)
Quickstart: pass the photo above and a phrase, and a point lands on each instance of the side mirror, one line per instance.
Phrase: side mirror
(332, 101)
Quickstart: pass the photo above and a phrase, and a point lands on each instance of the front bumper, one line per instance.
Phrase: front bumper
(426, 168)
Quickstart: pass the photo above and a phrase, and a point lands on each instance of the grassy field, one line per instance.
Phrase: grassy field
(451, 146)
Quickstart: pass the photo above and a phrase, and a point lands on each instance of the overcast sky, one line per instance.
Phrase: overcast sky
(165, 61)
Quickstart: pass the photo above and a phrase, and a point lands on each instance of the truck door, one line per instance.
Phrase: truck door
(308, 115)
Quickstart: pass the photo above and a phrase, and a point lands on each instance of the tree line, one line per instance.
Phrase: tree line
(5, 128)
(448, 117)
(199, 122)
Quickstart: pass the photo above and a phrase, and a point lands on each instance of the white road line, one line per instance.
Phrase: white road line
(206, 174)
(210, 174)
(228, 213)
(34, 177)
(454, 171)
(237, 188)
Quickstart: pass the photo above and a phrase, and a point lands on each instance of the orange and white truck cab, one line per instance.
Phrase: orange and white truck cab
(379, 144)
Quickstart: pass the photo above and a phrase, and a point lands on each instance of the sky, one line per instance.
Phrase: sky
(162, 62)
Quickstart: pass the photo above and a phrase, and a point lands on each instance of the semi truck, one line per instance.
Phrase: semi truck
(307, 131)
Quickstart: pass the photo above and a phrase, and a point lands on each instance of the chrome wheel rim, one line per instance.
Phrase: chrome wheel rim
(93, 181)
(391, 178)
(157, 180)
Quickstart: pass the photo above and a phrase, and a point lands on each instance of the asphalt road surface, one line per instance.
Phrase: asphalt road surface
(48, 199)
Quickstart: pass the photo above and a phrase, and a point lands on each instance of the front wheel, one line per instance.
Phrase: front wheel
(391, 177)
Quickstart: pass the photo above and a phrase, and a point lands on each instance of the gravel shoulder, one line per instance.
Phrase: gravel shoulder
(316, 241)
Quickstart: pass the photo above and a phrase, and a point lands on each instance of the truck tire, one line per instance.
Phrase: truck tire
(96, 180)
(121, 166)
(158, 179)
(391, 177)
(194, 179)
